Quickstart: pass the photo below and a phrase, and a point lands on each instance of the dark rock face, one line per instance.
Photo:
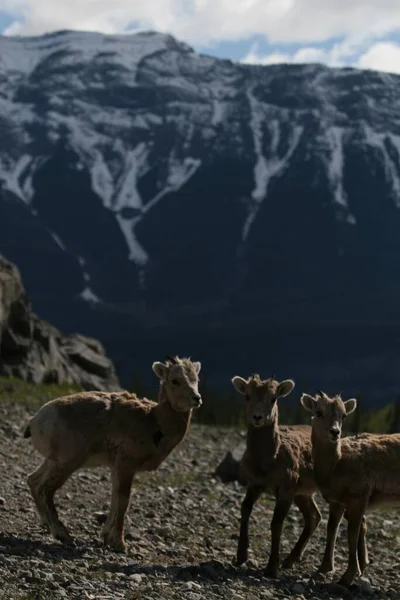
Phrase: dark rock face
(166, 201)
(36, 351)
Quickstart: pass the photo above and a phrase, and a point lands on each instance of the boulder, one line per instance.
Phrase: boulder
(228, 469)
(34, 350)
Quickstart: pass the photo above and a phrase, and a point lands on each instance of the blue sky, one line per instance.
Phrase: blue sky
(361, 33)
(5, 20)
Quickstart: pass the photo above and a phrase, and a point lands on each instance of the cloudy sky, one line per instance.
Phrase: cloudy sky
(363, 33)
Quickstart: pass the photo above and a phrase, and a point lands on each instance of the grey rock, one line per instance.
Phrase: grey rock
(338, 590)
(26, 574)
(191, 585)
(298, 588)
(228, 469)
(365, 585)
(33, 350)
(101, 517)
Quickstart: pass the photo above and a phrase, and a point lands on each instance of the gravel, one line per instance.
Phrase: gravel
(181, 531)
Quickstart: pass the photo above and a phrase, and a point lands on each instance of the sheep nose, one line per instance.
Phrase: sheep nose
(197, 400)
(257, 418)
(335, 431)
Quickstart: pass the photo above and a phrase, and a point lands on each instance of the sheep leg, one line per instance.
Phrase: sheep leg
(355, 514)
(252, 495)
(281, 510)
(111, 514)
(113, 530)
(312, 518)
(362, 546)
(335, 516)
(52, 479)
(33, 482)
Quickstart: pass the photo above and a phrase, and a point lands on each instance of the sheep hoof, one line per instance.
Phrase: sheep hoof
(241, 557)
(64, 537)
(289, 562)
(271, 570)
(347, 578)
(116, 544)
(119, 547)
(325, 568)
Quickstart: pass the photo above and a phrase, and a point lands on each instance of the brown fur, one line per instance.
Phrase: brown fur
(119, 430)
(276, 459)
(355, 474)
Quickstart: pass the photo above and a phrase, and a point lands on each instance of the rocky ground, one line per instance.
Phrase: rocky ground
(181, 532)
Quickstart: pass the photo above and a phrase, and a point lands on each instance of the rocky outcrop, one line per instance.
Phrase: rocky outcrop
(34, 350)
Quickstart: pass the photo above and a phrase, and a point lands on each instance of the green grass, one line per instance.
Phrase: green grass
(32, 395)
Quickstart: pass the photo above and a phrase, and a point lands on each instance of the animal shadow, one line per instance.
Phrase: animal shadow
(17, 546)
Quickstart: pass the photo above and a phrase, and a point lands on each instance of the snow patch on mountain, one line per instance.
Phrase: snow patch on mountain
(126, 192)
(265, 168)
(334, 163)
(16, 175)
(218, 112)
(379, 141)
(88, 295)
(102, 181)
(136, 252)
(179, 172)
(58, 240)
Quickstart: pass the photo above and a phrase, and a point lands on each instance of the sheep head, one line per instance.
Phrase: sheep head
(180, 379)
(328, 413)
(261, 396)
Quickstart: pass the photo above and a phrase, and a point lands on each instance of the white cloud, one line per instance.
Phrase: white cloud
(356, 52)
(303, 55)
(207, 21)
(383, 56)
(337, 55)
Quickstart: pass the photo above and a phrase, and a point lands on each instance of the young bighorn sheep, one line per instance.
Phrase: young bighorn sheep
(128, 434)
(276, 459)
(354, 474)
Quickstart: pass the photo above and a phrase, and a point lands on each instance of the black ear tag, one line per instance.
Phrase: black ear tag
(157, 437)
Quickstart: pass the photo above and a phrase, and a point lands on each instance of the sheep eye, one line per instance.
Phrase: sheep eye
(175, 382)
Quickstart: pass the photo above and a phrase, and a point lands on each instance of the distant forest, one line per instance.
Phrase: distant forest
(222, 409)
(228, 409)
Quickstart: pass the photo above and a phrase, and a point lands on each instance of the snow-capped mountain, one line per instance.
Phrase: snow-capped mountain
(145, 187)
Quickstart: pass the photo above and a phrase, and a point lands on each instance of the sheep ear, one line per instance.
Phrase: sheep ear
(160, 370)
(239, 384)
(308, 402)
(350, 406)
(197, 367)
(284, 388)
